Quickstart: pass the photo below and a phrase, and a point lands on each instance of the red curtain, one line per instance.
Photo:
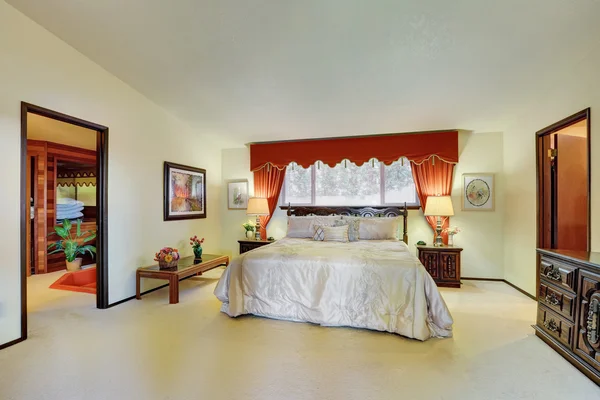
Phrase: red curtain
(433, 178)
(267, 184)
(416, 147)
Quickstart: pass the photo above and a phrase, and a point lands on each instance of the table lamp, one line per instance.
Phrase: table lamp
(257, 206)
(439, 206)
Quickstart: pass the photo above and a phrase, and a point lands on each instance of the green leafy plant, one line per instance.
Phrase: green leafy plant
(249, 226)
(71, 245)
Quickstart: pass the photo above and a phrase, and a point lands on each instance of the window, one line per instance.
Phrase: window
(346, 184)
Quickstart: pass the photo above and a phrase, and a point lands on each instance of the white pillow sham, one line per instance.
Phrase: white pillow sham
(304, 227)
(378, 228)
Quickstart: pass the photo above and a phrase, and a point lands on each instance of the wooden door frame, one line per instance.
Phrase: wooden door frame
(557, 126)
(101, 204)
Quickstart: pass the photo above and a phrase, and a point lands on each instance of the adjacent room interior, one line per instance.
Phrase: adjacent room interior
(61, 183)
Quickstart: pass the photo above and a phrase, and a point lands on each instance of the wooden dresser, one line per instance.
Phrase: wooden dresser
(568, 316)
(442, 263)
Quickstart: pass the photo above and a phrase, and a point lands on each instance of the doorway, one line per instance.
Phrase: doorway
(563, 167)
(50, 170)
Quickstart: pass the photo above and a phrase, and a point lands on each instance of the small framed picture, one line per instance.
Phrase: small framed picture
(237, 194)
(184, 192)
(478, 192)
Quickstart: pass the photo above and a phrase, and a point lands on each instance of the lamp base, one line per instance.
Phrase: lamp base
(438, 233)
(257, 234)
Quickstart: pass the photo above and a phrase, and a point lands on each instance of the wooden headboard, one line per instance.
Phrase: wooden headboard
(301, 211)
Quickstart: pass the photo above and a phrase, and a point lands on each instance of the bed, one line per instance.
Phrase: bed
(374, 284)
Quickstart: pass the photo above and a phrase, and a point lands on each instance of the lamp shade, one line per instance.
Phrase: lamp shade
(257, 206)
(439, 206)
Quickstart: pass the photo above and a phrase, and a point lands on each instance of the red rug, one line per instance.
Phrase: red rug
(83, 281)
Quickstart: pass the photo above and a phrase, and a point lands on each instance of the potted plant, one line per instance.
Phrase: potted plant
(72, 246)
(249, 227)
(197, 247)
(167, 258)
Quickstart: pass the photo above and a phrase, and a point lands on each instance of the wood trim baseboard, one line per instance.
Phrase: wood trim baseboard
(11, 343)
(126, 299)
(532, 297)
(501, 280)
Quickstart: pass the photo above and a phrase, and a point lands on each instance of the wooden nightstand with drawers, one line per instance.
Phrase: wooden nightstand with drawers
(247, 245)
(442, 263)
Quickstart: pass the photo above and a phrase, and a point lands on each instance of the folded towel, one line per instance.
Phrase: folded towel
(69, 205)
(66, 200)
(74, 215)
(69, 210)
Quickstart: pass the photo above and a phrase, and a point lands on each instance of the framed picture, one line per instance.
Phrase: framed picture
(478, 192)
(237, 194)
(184, 192)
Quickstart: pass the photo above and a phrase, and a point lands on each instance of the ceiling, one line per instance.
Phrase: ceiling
(52, 130)
(273, 69)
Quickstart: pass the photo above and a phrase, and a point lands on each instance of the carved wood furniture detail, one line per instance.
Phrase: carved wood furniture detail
(569, 307)
(442, 263)
(247, 245)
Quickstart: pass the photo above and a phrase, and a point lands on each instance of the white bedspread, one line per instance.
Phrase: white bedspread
(375, 284)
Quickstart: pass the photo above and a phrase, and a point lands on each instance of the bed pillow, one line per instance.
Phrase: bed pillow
(378, 228)
(304, 227)
(319, 234)
(353, 228)
(300, 227)
(335, 233)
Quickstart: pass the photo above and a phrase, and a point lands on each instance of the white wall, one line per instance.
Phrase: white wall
(482, 232)
(38, 68)
(577, 89)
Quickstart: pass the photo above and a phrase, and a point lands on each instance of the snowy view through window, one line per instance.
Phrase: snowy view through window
(347, 184)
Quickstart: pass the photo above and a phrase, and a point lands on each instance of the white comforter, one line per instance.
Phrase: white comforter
(371, 284)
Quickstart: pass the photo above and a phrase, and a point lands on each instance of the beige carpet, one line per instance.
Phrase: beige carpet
(151, 350)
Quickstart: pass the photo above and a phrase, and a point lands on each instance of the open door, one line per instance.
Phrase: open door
(564, 184)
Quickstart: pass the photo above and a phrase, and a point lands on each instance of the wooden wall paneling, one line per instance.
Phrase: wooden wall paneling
(28, 195)
(572, 193)
(41, 210)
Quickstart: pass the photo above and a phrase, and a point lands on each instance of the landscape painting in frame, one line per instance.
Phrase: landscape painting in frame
(478, 192)
(237, 194)
(184, 192)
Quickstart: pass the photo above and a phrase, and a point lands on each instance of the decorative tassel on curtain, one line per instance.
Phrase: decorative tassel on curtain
(432, 179)
(268, 182)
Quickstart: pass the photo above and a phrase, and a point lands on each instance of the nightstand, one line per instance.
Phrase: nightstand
(442, 263)
(247, 245)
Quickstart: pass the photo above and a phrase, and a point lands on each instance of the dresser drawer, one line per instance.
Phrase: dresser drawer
(430, 260)
(560, 274)
(557, 300)
(556, 326)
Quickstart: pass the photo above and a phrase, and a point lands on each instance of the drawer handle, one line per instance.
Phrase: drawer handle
(552, 299)
(593, 325)
(551, 325)
(553, 274)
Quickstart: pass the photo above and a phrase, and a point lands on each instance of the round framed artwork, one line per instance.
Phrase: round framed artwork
(478, 192)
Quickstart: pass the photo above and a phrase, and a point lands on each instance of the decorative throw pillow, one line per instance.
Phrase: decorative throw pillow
(319, 234)
(335, 233)
(378, 228)
(353, 228)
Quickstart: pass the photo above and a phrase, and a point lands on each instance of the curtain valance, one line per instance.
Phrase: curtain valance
(417, 147)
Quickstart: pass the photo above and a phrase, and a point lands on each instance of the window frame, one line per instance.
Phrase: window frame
(284, 204)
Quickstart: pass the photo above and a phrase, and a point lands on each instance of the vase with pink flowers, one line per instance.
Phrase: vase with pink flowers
(451, 232)
(167, 258)
(197, 247)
